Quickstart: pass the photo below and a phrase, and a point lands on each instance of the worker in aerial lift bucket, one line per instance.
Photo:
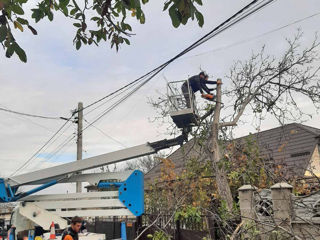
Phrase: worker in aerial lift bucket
(198, 83)
(71, 233)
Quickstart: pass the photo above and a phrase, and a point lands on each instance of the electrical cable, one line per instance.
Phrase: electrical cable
(43, 146)
(52, 153)
(105, 134)
(255, 37)
(60, 147)
(28, 119)
(30, 115)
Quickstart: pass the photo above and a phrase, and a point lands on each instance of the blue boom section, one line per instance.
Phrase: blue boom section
(131, 192)
(8, 194)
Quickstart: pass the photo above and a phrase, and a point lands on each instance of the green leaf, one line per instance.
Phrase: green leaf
(132, 3)
(139, 13)
(192, 11)
(55, 6)
(50, 15)
(104, 35)
(181, 6)
(63, 3)
(137, 3)
(73, 11)
(84, 40)
(34, 32)
(127, 41)
(20, 52)
(200, 19)
(22, 21)
(174, 16)
(10, 51)
(78, 25)
(3, 33)
(78, 44)
(184, 20)
(17, 9)
(65, 11)
(128, 27)
(145, 1)
(115, 14)
(95, 18)
(37, 14)
(78, 15)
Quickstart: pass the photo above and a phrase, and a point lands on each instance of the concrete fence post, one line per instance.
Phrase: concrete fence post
(247, 202)
(282, 203)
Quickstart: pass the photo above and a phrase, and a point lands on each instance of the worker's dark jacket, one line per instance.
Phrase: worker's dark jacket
(199, 84)
(69, 231)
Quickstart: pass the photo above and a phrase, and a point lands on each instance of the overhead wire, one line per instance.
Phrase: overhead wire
(28, 119)
(60, 147)
(105, 134)
(113, 97)
(254, 37)
(42, 147)
(49, 155)
(30, 115)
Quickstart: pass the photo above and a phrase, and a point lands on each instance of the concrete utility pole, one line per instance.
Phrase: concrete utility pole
(79, 141)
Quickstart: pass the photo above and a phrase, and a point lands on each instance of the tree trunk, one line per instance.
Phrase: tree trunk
(221, 177)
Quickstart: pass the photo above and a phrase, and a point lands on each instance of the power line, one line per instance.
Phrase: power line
(255, 37)
(105, 134)
(43, 146)
(52, 153)
(30, 115)
(59, 152)
(35, 123)
(113, 97)
(60, 147)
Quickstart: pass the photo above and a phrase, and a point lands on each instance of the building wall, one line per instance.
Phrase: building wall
(314, 168)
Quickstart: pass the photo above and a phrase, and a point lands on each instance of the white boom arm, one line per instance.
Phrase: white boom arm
(45, 175)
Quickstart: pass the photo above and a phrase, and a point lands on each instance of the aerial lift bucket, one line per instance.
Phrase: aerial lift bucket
(182, 105)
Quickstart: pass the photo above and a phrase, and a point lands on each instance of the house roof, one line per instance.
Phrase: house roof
(291, 146)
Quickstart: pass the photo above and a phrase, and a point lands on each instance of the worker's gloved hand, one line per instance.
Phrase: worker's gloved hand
(219, 81)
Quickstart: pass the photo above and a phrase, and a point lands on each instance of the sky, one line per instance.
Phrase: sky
(57, 76)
